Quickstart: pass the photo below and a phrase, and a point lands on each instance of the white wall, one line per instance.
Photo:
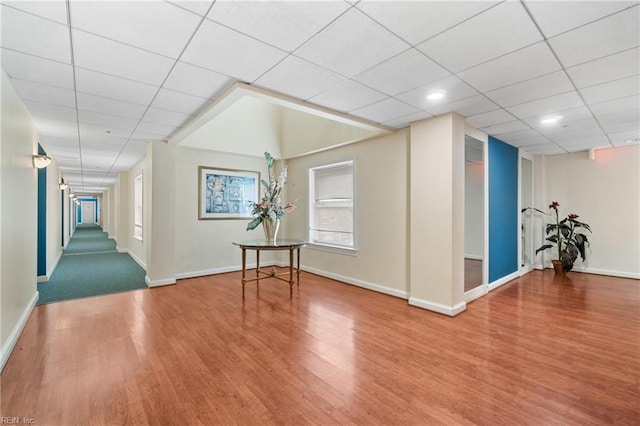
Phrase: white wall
(474, 211)
(54, 217)
(126, 242)
(205, 247)
(18, 218)
(381, 214)
(605, 192)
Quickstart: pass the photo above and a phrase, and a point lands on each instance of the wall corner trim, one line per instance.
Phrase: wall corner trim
(133, 256)
(497, 283)
(10, 344)
(159, 283)
(451, 311)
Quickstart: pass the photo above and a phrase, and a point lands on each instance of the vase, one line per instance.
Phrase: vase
(558, 268)
(270, 229)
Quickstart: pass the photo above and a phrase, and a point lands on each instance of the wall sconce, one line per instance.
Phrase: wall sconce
(63, 185)
(71, 194)
(41, 161)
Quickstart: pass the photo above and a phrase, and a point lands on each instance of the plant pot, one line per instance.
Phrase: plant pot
(271, 229)
(558, 268)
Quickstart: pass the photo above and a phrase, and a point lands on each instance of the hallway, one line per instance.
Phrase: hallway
(91, 266)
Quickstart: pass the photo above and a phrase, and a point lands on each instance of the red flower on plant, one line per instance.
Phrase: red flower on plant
(554, 205)
(573, 216)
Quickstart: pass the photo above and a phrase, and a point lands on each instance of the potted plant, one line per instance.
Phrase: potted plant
(567, 236)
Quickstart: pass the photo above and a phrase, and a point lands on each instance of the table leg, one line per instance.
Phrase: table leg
(290, 272)
(244, 268)
(298, 268)
(258, 267)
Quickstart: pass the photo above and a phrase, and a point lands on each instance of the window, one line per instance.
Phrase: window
(331, 205)
(137, 202)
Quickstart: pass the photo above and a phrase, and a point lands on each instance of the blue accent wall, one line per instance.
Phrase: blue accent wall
(42, 218)
(503, 209)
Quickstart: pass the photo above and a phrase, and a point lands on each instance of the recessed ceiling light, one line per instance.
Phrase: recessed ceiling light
(552, 119)
(434, 96)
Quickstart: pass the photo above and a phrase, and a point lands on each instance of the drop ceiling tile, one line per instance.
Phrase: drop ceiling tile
(39, 70)
(544, 149)
(225, 51)
(550, 105)
(611, 90)
(351, 44)
(159, 27)
(575, 125)
(460, 47)
(148, 136)
(603, 70)
(529, 142)
(605, 37)
(524, 64)
(104, 141)
(585, 145)
(156, 129)
(385, 110)
(405, 121)
(417, 21)
(508, 127)
(109, 86)
(199, 7)
(136, 146)
(126, 161)
(52, 10)
(518, 135)
(569, 137)
(285, 25)
(611, 121)
(34, 35)
(170, 118)
(108, 121)
(110, 57)
(88, 129)
(30, 91)
(622, 126)
(401, 73)
(298, 78)
(347, 96)
(544, 86)
(109, 106)
(555, 17)
(466, 107)
(623, 138)
(179, 102)
(454, 88)
(197, 81)
(61, 142)
(50, 112)
(54, 127)
(617, 105)
(491, 118)
(580, 116)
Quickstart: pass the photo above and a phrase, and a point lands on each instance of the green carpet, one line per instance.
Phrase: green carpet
(96, 271)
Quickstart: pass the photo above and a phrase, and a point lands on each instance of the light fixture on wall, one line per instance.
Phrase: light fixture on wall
(71, 194)
(63, 185)
(40, 161)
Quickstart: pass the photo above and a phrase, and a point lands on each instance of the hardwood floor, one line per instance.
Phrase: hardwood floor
(535, 351)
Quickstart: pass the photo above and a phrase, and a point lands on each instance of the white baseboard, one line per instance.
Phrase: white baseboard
(8, 346)
(501, 281)
(473, 294)
(53, 268)
(612, 273)
(133, 256)
(224, 270)
(364, 284)
(159, 283)
(473, 256)
(451, 311)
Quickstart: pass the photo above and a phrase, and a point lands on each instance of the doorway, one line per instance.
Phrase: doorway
(527, 254)
(474, 215)
(88, 212)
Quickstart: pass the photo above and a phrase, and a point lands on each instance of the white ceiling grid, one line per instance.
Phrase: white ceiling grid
(100, 79)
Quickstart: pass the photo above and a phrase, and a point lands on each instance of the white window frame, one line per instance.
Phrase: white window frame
(138, 212)
(327, 246)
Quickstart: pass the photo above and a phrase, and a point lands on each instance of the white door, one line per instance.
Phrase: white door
(88, 212)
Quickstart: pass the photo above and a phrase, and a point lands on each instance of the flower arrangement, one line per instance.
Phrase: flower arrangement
(566, 235)
(270, 207)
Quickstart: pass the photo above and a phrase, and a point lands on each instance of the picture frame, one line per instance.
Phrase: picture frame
(226, 193)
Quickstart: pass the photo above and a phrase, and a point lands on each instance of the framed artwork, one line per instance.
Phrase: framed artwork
(226, 193)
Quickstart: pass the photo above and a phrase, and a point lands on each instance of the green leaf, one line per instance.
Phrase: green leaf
(544, 247)
(254, 223)
(266, 184)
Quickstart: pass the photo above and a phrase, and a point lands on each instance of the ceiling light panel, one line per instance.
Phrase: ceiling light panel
(403, 72)
(197, 81)
(39, 70)
(557, 17)
(529, 90)
(217, 48)
(110, 57)
(347, 96)
(603, 70)
(298, 78)
(351, 44)
(415, 22)
(285, 25)
(460, 48)
(455, 89)
(605, 37)
(159, 27)
(524, 64)
(34, 35)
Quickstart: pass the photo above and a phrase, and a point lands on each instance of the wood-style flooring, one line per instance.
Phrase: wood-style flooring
(536, 351)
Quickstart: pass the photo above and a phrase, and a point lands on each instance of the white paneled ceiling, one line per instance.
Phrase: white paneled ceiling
(101, 79)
